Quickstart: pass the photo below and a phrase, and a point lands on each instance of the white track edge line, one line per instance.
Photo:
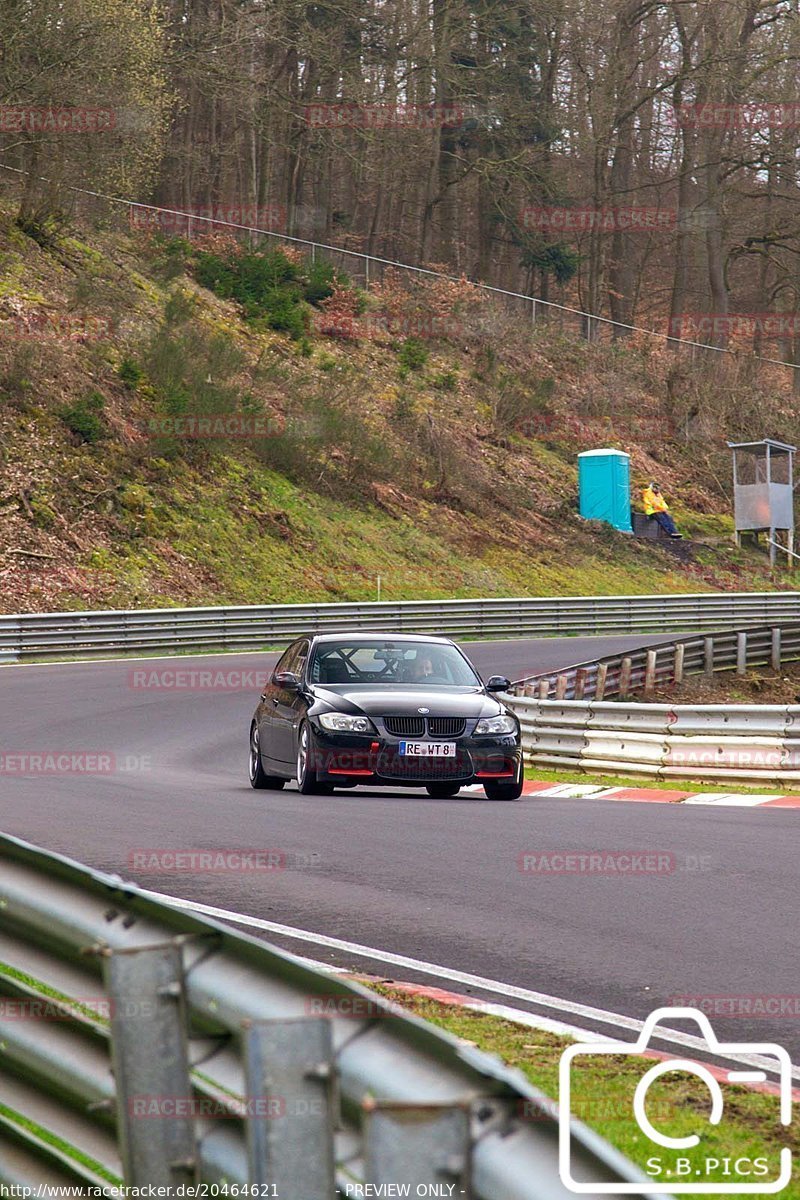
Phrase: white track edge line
(464, 977)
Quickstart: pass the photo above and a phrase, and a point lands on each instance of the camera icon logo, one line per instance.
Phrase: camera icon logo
(742, 1176)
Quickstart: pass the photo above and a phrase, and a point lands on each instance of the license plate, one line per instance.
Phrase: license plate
(428, 749)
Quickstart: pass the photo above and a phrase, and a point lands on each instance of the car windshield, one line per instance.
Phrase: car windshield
(391, 662)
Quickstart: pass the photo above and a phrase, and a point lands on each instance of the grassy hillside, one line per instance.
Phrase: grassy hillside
(446, 465)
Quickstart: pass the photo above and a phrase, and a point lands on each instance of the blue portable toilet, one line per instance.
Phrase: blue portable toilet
(604, 487)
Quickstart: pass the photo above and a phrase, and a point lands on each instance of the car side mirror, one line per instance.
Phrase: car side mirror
(498, 683)
(287, 680)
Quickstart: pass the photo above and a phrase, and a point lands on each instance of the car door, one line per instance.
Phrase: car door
(269, 703)
(288, 707)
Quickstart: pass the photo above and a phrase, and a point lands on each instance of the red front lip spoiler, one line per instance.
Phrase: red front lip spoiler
(346, 771)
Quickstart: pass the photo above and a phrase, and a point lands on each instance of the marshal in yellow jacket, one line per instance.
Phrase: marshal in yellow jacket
(653, 501)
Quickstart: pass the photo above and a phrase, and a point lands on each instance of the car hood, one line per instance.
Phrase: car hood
(392, 701)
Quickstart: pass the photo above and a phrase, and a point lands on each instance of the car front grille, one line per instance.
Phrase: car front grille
(427, 770)
(408, 727)
(414, 727)
(446, 727)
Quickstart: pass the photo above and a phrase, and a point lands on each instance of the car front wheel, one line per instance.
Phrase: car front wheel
(307, 781)
(258, 776)
(497, 789)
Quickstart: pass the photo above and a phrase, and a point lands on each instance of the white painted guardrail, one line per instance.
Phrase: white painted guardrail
(73, 635)
(757, 742)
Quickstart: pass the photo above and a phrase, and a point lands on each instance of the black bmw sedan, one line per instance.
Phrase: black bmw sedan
(384, 709)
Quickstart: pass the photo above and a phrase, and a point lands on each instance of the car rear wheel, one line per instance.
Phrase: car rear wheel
(307, 781)
(258, 776)
(440, 791)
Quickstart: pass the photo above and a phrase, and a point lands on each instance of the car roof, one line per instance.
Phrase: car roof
(363, 636)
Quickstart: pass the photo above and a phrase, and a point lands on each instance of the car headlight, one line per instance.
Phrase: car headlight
(501, 724)
(342, 723)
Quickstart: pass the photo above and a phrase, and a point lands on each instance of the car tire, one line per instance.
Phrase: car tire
(258, 776)
(442, 791)
(307, 782)
(495, 790)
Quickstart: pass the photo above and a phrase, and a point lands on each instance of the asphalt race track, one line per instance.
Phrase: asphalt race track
(436, 880)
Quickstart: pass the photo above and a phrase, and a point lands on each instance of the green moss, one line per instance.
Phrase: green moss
(14, 280)
(44, 516)
(90, 253)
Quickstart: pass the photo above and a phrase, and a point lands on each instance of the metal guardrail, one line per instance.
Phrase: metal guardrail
(580, 730)
(134, 1025)
(746, 743)
(93, 634)
(631, 671)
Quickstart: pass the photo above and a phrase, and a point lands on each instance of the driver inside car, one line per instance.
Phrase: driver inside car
(423, 670)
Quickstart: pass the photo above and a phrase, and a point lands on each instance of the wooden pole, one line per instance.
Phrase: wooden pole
(625, 677)
(650, 672)
(775, 656)
(680, 654)
(741, 653)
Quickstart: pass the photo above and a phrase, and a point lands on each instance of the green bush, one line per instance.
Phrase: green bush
(179, 307)
(273, 290)
(284, 313)
(413, 355)
(85, 417)
(172, 255)
(251, 279)
(189, 369)
(320, 279)
(325, 444)
(446, 381)
(130, 373)
(520, 406)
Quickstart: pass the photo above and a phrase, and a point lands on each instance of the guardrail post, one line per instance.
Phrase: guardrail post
(708, 655)
(650, 672)
(775, 656)
(625, 677)
(741, 653)
(680, 654)
(418, 1144)
(544, 689)
(580, 683)
(561, 687)
(151, 1065)
(600, 686)
(289, 1072)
